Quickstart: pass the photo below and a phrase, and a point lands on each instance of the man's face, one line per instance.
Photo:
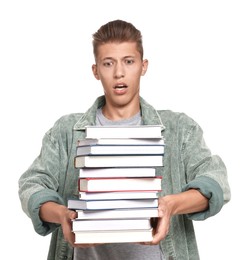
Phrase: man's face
(119, 67)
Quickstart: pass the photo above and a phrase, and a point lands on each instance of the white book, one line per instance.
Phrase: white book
(119, 149)
(118, 213)
(120, 131)
(113, 236)
(120, 184)
(111, 204)
(118, 195)
(111, 224)
(118, 161)
(117, 172)
(121, 141)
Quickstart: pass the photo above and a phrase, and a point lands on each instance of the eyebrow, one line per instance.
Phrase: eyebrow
(125, 57)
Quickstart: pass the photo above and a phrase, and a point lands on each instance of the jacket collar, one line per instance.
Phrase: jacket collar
(150, 116)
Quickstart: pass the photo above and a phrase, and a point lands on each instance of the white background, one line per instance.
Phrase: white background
(196, 65)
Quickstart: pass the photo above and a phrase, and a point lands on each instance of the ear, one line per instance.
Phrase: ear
(95, 72)
(144, 67)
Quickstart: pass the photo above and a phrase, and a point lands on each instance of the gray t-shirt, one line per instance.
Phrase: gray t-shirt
(119, 251)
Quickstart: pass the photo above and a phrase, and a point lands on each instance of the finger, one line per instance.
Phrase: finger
(161, 231)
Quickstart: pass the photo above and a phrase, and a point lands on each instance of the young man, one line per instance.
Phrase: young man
(194, 185)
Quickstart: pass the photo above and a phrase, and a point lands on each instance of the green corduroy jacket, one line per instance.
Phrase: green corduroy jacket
(188, 163)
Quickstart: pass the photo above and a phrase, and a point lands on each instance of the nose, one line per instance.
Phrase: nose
(119, 71)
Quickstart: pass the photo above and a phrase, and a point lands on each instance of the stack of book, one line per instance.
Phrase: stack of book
(117, 185)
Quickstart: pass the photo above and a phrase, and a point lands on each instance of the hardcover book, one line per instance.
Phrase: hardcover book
(113, 236)
(119, 149)
(111, 224)
(118, 161)
(120, 184)
(118, 213)
(115, 195)
(129, 131)
(117, 172)
(111, 204)
(121, 141)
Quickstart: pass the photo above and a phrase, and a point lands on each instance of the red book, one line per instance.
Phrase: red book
(119, 184)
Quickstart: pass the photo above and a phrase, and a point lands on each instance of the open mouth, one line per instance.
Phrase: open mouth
(120, 86)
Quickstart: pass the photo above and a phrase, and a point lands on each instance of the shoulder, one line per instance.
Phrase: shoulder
(69, 119)
(179, 124)
(170, 117)
(64, 125)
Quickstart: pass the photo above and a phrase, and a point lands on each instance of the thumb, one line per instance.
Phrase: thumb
(72, 214)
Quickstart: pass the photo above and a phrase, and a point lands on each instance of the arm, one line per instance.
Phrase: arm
(44, 180)
(55, 213)
(183, 203)
(60, 214)
(206, 188)
(40, 183)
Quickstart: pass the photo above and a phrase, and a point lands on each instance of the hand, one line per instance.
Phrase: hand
(55, 213)
(162, 223)
(66, 224)
(186, 202)
(164, 216)
(67, 229)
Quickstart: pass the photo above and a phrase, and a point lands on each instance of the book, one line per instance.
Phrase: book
(118, 195)
(113, 236)
(117, 172)
(118, 213)
(119, 131)
(119, 149)
(111, 224)
(120, 184)
(118, 161)
(121, 141)
(111, 204)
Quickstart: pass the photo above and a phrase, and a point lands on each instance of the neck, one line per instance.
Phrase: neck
(119, 113)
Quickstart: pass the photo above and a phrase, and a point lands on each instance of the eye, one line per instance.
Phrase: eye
(107, 63)
(129, 61)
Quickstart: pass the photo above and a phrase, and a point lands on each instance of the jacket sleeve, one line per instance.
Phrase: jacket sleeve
(40, 183)
(204, 172)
